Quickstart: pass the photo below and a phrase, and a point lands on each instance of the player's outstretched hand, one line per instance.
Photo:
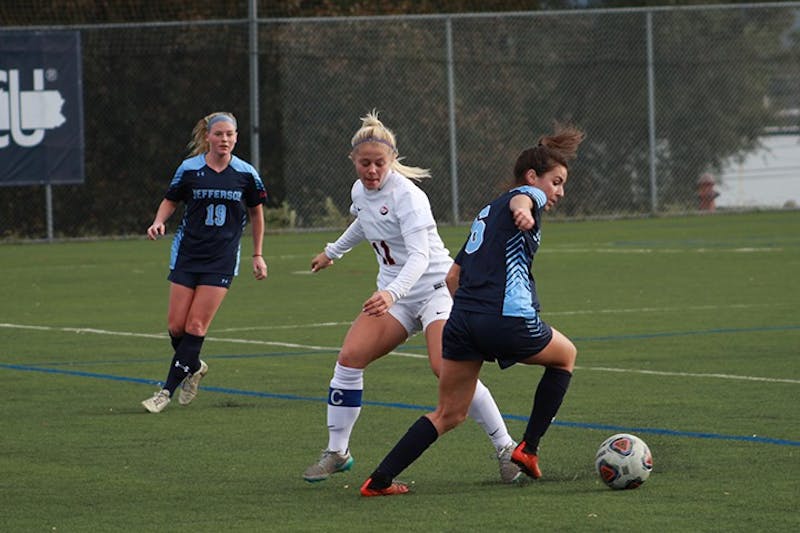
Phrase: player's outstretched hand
(320, 261)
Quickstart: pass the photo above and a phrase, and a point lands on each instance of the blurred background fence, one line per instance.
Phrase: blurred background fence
(669, 97)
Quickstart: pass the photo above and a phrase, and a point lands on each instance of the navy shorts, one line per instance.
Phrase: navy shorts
(193, 279)
(506, 339)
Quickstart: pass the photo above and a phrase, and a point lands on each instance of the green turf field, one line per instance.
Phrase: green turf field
(688, 334)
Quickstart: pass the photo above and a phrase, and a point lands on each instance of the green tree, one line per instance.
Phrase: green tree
(712, 75)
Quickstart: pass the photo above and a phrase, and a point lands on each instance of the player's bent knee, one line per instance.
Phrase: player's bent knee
(444, 421)
(572, 355)
(566, 354)
(352, 360)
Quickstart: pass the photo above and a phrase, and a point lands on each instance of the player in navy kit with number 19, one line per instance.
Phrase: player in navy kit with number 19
(495, 315)
(220, 192)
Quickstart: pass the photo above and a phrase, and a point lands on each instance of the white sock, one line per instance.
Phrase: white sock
(485, 412)
(344, 405)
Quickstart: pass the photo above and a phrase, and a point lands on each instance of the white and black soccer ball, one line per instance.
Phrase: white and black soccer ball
(623, 461)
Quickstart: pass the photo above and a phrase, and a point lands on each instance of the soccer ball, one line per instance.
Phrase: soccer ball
(623, 461)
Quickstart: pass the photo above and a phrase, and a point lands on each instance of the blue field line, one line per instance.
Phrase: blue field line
(426, 408)
(78, 373)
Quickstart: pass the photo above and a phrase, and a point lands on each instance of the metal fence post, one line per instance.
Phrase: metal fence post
(255, 145)
(651, 114)
(451, 112)
(48, 198)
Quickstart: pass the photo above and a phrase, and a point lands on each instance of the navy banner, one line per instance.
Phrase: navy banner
(41, 108)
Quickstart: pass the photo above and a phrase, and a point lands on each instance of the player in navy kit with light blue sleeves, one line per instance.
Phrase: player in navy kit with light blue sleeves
(208, 237)
(502, 294)
(495, 314)
(220, 192)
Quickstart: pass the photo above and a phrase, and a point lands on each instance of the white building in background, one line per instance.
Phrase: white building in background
(769, 177)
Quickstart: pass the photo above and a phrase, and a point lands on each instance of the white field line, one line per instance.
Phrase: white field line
(689, 374)
(285, 326)
(163, 336)
(550, 249)
(589, 249)
(682, 308)
(401, 354)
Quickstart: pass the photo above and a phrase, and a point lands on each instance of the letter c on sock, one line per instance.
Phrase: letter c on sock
(344, 397)
(336, 397)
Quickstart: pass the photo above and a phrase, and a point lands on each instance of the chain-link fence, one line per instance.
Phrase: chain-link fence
(664, 94)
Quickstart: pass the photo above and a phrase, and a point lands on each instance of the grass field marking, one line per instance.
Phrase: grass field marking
(689, 374)
(661, 250)
(630, 310)
(163, 336)
(401, 405)
(85, 330)
(216, 339)
(664, 334)
(284, 326)
(681, 308)
(401, 354)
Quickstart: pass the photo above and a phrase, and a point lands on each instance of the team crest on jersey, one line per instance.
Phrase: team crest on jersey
(384, 210)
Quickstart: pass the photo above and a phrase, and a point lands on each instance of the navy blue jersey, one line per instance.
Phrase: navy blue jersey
(208, 237)
(497, 258)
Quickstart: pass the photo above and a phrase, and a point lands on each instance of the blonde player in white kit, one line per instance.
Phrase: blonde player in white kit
(394, 216)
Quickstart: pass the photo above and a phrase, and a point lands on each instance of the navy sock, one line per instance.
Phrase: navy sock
(417, 439)
(546, 402)
(185, 361)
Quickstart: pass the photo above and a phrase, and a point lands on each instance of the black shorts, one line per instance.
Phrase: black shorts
(477, 336)
(193, 279)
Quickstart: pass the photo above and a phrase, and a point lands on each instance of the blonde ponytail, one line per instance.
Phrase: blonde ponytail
(372, 130)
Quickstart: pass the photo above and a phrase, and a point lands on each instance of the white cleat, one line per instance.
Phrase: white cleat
(509, 472)
(157, 402)
(330, 463)
(191, 384)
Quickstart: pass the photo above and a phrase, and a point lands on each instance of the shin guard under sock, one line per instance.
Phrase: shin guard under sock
(344, 405)
(175, 340)
(417, 439)
(185, 361)
(547, 400)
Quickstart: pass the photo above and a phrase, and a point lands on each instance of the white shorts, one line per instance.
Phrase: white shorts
(416, 315)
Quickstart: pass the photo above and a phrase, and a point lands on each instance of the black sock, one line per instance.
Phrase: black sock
(175, 340)
(185, 361)
(417, 439)
(549, 395)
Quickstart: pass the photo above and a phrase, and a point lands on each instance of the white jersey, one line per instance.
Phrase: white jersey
(396, 220)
